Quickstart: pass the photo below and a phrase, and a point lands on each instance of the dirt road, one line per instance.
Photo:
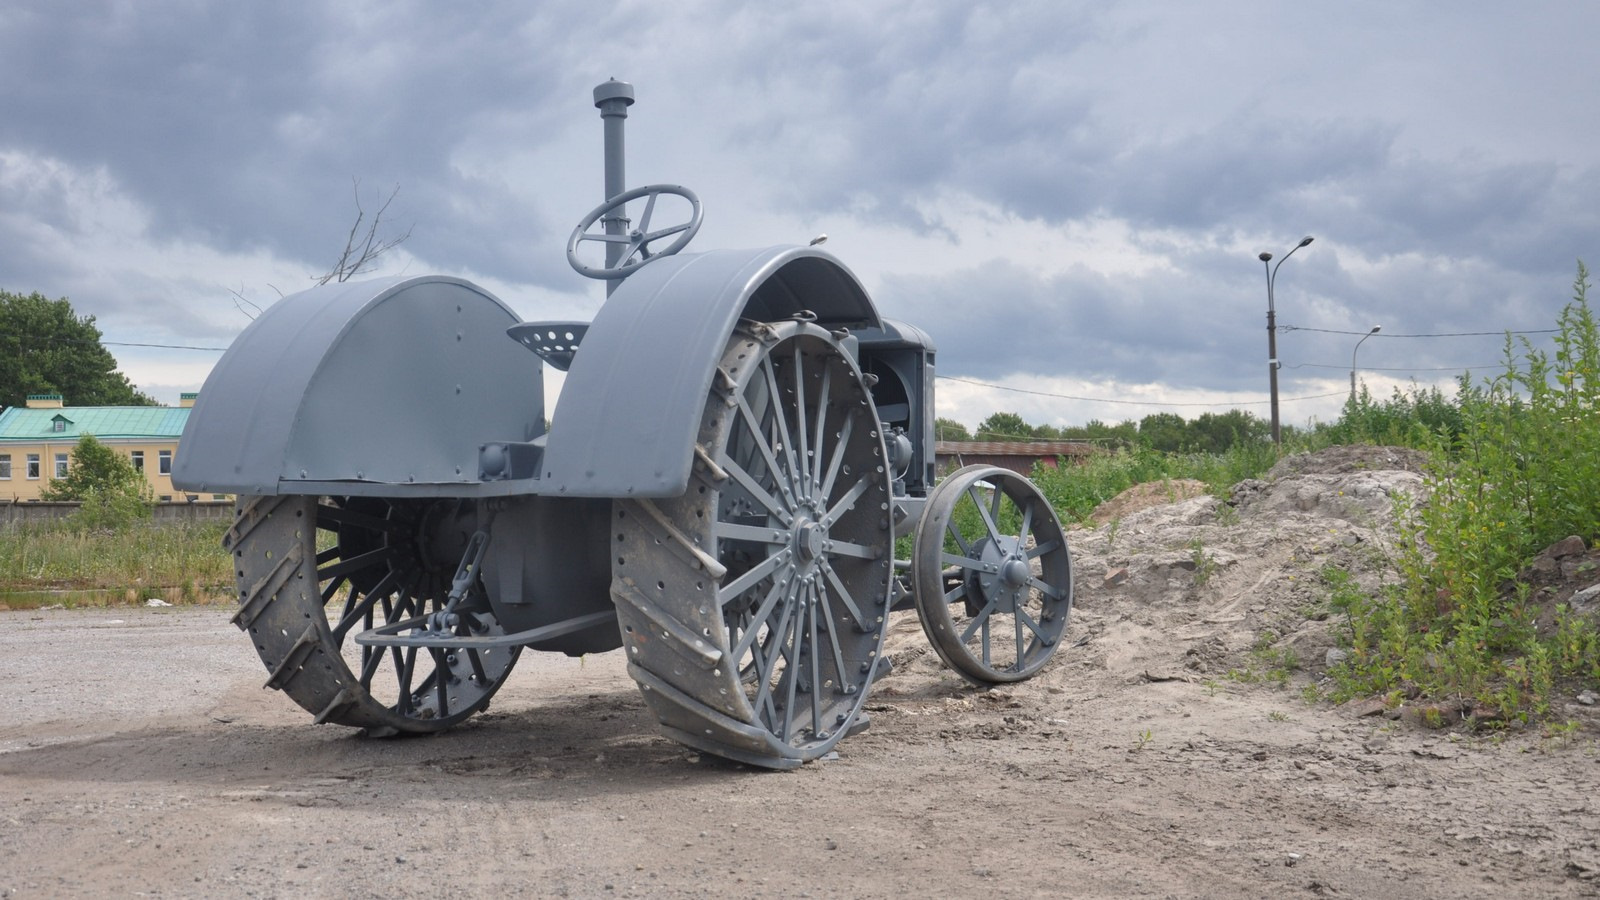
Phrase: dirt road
(139, 756)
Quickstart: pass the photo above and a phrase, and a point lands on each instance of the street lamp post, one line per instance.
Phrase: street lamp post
(1375, 330)
(1272, 333)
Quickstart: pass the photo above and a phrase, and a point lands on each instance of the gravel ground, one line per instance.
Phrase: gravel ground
(139, 756)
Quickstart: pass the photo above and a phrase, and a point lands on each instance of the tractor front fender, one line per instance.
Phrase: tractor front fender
(374, 384)
(630, 409)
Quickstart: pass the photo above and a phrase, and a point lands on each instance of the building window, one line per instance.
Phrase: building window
(33, 466)
(137, 458)
(61, 465)
(5, 466)
(60, 425)
(165, 461)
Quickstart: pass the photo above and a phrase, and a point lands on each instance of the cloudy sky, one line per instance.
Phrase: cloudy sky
(1069, 196)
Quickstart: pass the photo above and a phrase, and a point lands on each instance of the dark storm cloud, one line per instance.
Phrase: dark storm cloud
(245, 124)
(1450, 187)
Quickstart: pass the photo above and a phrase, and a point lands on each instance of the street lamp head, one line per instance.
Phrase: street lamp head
(1375, 329)
(1305, 240)
(1265, 256)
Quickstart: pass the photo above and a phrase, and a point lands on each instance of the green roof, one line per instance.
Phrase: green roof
(19, 424)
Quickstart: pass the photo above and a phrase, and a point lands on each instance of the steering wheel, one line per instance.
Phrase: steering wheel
(636, 243)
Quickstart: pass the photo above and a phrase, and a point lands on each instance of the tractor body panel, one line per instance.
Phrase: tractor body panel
(632, 402)
(386, 386)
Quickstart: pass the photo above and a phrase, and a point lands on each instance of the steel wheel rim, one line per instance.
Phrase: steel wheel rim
(796, 462)
(362, 563)
(754, 605)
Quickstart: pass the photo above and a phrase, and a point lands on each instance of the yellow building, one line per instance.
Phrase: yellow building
(36, 442)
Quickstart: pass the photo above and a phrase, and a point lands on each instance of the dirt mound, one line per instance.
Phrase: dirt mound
(1209, 588)
(1144, 496)
(1347, 459)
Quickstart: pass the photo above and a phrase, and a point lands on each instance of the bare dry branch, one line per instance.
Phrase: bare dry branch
(363, 248)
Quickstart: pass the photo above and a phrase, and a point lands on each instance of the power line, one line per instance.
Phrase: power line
(51, 339)
(1500, 365)
(1439, 335)
(1001, 387)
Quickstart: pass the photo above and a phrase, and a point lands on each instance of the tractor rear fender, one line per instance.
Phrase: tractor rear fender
(388, 382)
(630, 409)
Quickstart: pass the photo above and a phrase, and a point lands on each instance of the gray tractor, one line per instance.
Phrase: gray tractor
(737, 487)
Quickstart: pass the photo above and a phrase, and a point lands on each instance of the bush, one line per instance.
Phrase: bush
(1518, 470)
(114, 495)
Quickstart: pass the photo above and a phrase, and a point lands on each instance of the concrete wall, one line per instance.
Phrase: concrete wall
(39, 512)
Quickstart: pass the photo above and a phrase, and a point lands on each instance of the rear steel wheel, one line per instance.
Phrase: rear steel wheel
(993, 575)
(314, 573)
(753, 606)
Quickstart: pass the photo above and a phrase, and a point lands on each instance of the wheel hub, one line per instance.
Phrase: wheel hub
(810, 539)
(1004, 578)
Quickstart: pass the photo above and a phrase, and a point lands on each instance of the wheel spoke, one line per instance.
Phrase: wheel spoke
(366, 560)
(982, 618)
(649, 207)
(755, 533)
(762, 613)
(1027, 525)
(778, 636)
(846, 548)
(843, 594)
(1025, 619)
(606, 238)
(1049, 590)
(371, 658)
(1016, 624)
(1041, 549)
(440, 682)
(802, 459)
(834, 464)
(361, 611)
(983, 510)
(475, 659)
(773, 506)
(791, 667)
(781, 423)
(822, 422)
(407, 669)
(961, 542)
(660, 233)
(833, 642)
(816, 662)
(744, 582)
(769, 456)
(848, 500)
(965, 562)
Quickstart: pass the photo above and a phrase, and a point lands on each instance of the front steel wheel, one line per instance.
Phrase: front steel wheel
(993, 575)
(312, 573)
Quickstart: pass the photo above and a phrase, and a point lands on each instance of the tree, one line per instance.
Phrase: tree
(950, 430)
(1164, 431)
(112, 492)
(1004, 426)
(1220, 432)
(46, 348)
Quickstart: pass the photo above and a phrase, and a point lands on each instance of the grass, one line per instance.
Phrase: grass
(1514, 468)
(177, 562)
(1076, 490)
